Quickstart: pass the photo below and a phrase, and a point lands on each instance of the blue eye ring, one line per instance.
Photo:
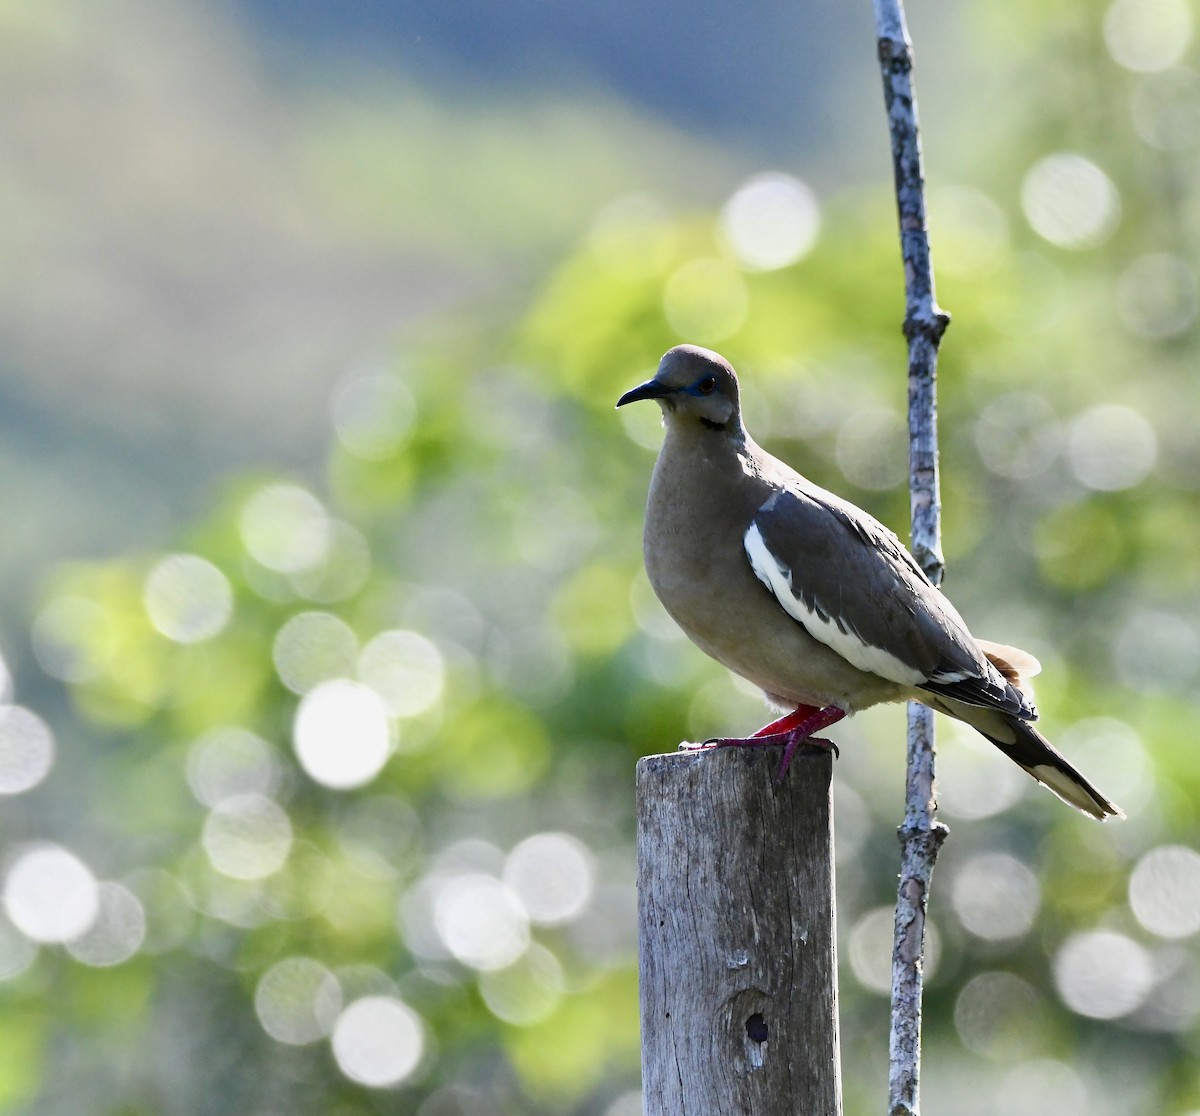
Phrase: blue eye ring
(707, 386)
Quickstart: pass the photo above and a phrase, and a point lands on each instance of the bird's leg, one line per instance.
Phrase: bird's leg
(788, 721)
(803, 733)
(792, 729)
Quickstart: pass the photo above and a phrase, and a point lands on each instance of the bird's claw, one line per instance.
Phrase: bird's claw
(815, 746)
(825, 746)
(819, 743)
(718, 742)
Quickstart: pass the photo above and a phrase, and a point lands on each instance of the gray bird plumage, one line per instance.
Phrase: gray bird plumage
(809, 597)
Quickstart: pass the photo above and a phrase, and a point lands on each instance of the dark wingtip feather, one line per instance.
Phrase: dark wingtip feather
(1033, 752)
(988, 693)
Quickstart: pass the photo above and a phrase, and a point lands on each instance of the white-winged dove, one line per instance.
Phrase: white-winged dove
(809, 597)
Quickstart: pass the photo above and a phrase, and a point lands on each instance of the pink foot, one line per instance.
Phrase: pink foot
(792, 730)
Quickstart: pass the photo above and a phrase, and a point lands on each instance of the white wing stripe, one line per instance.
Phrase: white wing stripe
(872, 660)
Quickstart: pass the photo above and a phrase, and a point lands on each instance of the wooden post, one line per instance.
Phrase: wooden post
(736, 932)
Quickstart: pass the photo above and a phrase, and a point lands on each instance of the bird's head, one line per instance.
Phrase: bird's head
(694, 386)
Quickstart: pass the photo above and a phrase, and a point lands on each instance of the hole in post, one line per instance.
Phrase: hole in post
(756, 1028)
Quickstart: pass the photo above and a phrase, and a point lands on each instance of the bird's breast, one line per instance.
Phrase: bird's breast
(697, 565)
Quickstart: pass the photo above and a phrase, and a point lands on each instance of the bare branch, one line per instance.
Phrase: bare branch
(922, 834)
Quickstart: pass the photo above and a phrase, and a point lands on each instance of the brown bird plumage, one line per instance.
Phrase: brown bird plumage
(808, 596)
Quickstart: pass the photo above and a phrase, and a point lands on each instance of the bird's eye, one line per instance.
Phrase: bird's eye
(707, 386)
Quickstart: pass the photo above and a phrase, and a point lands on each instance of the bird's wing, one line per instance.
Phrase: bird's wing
(852, 585)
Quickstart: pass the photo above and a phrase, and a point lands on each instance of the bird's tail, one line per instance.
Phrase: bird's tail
(1029, 749)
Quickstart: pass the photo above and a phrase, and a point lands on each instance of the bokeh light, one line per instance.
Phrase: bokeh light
(1112, 447)
(285, 528)
(1043, 1087)
(552, 875)
(527, 991)
(26, 749)
(405, 669)
(706, 300)
(50, 894)
(871, 941)
(1173, 1006)
(187, 598)
(298, 1001)
(231, 761)
(169, 907)
(997, 1014)
(72, 639)
(1018, 435)
(360, 979)
(1113, 755)
(417, 911)
(1147, 35)
(1157, 297)
(17, 951)
(415, 918)
(232, 901)
(995, 896)
(373, 413)
(1070, 201)
(608, 935)
(771, 221)
(1166, 110)
(444, 613)
(116, 933)
(480, 921)
(1157, 652)
(1103, 974)
(1164, 891)
(247, 836)
(341, 734)
(378, 1041)
(314, 647)
(341, 573)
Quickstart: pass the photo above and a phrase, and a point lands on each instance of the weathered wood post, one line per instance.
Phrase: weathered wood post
(736, 929)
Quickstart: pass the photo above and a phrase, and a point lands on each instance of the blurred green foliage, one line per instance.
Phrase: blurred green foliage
(481, 502)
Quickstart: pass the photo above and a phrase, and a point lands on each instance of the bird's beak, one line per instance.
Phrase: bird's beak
(651, 389)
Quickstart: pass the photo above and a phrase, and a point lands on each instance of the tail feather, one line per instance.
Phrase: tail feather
(1014, 664)
(1030, 750)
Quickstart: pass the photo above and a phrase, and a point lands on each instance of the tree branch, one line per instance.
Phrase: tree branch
(922, 834)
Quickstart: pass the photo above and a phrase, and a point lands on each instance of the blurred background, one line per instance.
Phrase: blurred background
(326, 650)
